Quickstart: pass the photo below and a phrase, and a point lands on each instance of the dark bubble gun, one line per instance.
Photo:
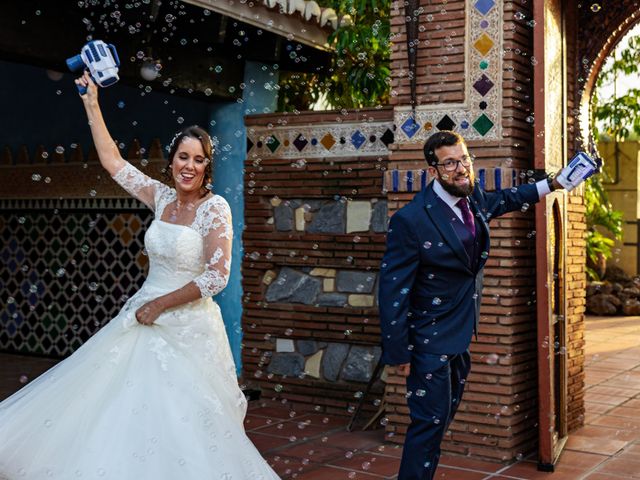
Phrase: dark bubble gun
(100, 59)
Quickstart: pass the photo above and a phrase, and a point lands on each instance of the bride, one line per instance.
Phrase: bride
(153, 395)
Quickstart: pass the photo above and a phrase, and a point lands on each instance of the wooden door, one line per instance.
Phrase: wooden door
(550, 147)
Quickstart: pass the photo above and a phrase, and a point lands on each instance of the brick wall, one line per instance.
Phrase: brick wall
(324, 166)
(576, 244)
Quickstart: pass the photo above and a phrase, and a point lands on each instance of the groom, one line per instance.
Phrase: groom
(431, 287)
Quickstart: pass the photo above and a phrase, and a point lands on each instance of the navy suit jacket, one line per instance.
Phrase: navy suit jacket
(429, 292)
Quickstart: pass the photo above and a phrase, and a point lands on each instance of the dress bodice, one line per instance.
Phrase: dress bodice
(178, 254)
(175, 254)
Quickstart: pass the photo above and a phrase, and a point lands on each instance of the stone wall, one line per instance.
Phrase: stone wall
(316, 218)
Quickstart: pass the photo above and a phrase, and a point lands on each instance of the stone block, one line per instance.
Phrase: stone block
(285, 345)
(332, 300)
(283, 217)
(323, 272)
(355, 282)
(268, 277)
(360, 363)
(289, 364)
(288, 281)
(358, 216)
(329, 219)
(332, 360)
(307, 291)
(379, 217)
(312, 365)
(308, 347)
(356, 300)
(300, 220)
(328, 284)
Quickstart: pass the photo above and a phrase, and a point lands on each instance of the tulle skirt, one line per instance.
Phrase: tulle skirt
(136, 402)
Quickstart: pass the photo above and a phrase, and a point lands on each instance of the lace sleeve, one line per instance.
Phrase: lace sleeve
(214, 224)
(139, 185)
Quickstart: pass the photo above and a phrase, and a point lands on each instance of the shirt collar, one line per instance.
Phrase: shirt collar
(449, 199)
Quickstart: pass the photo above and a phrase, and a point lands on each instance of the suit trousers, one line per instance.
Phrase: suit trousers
(433, 399)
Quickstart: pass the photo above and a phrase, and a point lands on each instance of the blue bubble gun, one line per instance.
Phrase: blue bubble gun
(100, 59)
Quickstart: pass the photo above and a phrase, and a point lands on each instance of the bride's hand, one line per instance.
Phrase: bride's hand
(91, 96)
(149, 312)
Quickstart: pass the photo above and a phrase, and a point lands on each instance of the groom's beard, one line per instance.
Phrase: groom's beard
(460, 191)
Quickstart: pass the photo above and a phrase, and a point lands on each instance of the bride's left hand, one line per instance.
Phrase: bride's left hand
(149, 312)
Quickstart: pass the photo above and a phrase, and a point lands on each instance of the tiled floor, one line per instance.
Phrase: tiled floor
(306, 445)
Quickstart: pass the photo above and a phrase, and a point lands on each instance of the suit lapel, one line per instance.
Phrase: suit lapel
(442, 222)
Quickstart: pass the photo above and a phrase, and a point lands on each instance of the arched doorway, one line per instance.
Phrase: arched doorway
(568, 63)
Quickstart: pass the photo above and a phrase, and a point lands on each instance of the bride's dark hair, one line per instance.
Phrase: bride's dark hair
(197, 133)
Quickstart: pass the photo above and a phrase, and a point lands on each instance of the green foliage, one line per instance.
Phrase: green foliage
(359, 74)
(600, 215)
(616, 117)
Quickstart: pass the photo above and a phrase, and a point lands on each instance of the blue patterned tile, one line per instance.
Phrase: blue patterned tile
(410, 127)
(483, 6)
(357, 139)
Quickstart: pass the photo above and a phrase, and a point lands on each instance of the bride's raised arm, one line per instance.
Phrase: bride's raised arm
(136, 183)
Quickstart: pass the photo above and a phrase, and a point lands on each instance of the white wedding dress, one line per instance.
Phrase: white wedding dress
(140, 402)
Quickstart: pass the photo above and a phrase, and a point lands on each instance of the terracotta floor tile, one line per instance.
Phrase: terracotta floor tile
(390, 449)
(529, 471)
(251, 422)
(287, 467)
(332, 473)
(620, 466)
(633, 403)
(632, 452)
(445, 473)
(597, 431)
(265, 443)
(313, 451)
(370, 463)
(615, 391)
(622, 423)
(597, 408)
(624, 412)
(300, 429)
(604, 398)
(269, 411)
(604, 476)
(356, 440)
(470, 464)
(595, 445)
(580, 460)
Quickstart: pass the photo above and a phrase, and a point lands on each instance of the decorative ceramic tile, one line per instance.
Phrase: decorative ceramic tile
(414, 180)
(321, 140)
(479, 116)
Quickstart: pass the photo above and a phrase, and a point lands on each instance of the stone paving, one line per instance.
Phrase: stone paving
(305, 445)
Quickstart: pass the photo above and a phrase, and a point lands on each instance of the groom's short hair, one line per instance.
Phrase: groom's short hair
(443, 138)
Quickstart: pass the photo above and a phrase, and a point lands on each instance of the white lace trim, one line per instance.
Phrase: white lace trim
(211, 282)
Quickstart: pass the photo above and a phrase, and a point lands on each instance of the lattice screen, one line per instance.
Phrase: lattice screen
(65, 272)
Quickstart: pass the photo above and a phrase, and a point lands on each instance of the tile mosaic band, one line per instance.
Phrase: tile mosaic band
(479, 116)
(321, 140)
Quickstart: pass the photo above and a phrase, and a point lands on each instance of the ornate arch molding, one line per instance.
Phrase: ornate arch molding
(597, 52)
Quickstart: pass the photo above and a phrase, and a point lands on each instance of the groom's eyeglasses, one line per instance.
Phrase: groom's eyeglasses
(451, 165)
